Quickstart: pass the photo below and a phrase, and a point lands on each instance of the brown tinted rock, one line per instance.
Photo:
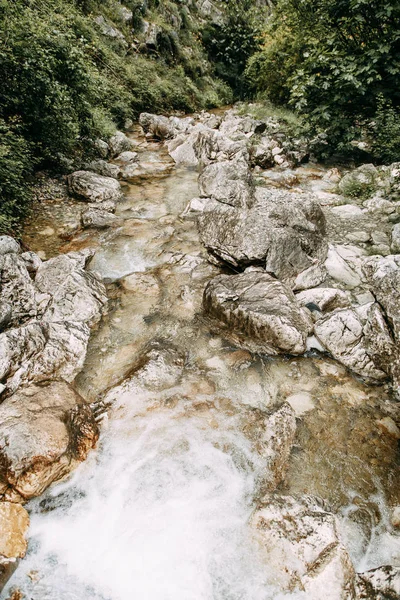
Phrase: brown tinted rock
(259, 311)
(379, 584)
(44, 431)
(14, 523)
(303, 548)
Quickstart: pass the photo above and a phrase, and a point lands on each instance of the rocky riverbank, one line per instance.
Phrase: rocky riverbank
(289, 267)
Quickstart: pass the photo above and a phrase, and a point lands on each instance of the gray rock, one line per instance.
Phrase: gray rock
(382, 583)
(359, 183)
(106, 206)
(282, 230)
(156, 125)
(44, 431)
(359, 339)
(65, 301)
(102, 148)
(227, 182)
(303, 545)
(344, 264)
(8, 245)
(98, 219)
(127, 157)
(260, 312)
(94, 188)
(16, 289)
(119, 143)
(327, 299)
(108, 30)
(102, 167)
(311, 277)
(395, 247)
(32, 261)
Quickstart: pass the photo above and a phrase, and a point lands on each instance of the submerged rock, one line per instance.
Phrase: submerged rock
(98, 219)
(281, 230)
(303, 548)
(91, 187)
(44, 430)
(260, 312)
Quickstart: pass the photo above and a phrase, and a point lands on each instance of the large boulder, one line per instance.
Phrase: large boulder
(157, 126)
(14, 523)
(227, 182)
(44, 431)
(383, 276)
(283, 231)
(303, 547)
(119, 143)
(259, 312)
(91, 187)
(52, 342)
(359, 339)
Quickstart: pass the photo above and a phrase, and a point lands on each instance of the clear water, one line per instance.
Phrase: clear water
(160, 510)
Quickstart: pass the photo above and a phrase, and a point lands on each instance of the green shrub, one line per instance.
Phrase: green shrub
(385, 133)
(331, 60)
(16, 166)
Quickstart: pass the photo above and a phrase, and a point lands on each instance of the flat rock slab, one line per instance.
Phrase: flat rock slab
(259, 311)
(282, 231)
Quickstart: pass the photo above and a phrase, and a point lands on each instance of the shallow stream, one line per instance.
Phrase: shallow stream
(160, 510)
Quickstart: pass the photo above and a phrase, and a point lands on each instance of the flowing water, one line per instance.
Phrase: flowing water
(160, 510)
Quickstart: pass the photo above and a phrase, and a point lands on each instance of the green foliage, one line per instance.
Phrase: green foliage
(385, 133)
(16, 166)
(66, 82)
(331, 60)
(231, 43)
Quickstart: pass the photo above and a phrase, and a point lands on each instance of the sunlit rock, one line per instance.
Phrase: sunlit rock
(14, 523)
(259, 312)
(228, 183)
(44, 430)
(303, 548)
(119, 143)
(63, 303)
(359, 339)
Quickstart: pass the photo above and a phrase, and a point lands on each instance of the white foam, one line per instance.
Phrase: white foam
(160, 513)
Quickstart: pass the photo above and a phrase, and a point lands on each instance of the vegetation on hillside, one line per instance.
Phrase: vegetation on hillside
(74, 70)
(338, 63)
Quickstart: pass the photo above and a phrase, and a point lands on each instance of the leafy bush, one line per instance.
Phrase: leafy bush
(385, 133)
(231, 43)
(331, 60)
(16, 165)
